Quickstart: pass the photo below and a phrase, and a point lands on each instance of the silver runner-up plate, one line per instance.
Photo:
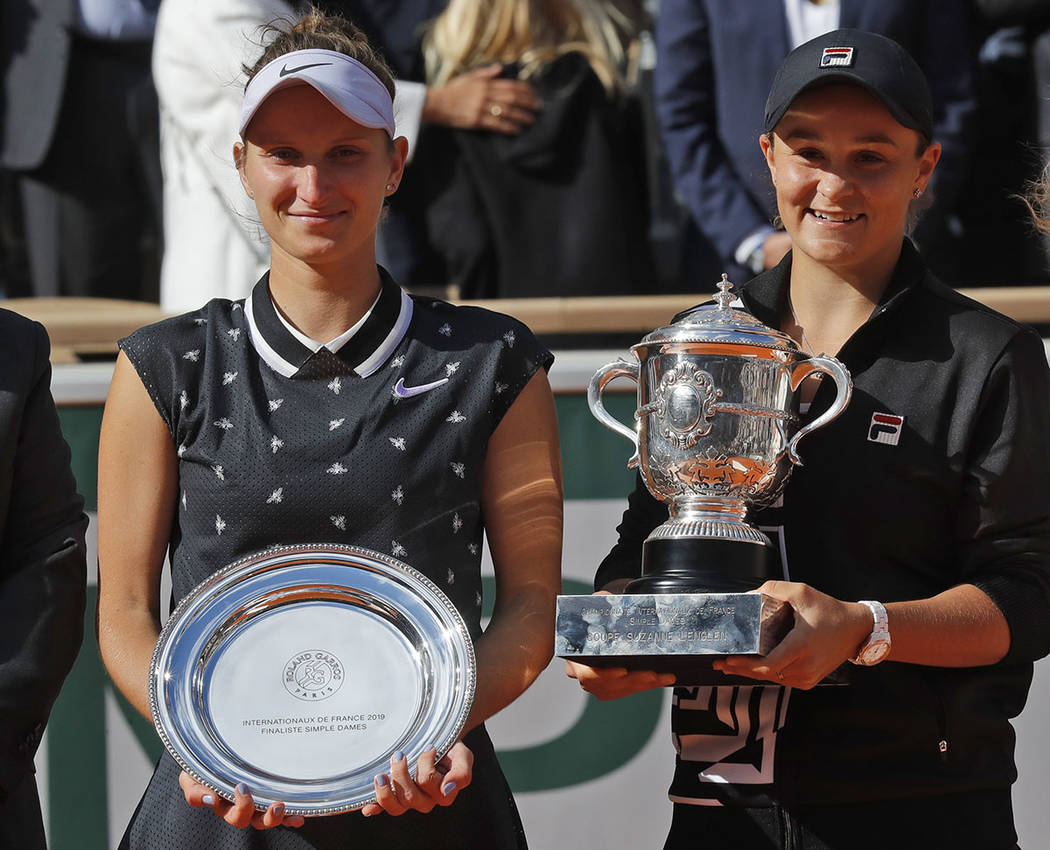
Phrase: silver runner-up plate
(300, 671)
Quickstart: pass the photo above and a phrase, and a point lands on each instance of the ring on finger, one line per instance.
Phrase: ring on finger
(495, 110)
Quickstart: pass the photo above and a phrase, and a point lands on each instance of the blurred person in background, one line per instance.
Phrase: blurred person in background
(42, 570)
(560, 208)
(715, 60)
(214, 246)
(78, 117)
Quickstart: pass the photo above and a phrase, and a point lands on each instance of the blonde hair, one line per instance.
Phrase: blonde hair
(1038, 200)
(528, 33)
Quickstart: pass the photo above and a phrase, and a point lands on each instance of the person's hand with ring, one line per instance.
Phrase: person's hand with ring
(482, 100)
(437, 782)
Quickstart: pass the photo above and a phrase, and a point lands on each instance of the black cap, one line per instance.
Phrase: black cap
(872, 61)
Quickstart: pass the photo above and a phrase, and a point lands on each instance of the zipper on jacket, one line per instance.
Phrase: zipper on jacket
(942, 728)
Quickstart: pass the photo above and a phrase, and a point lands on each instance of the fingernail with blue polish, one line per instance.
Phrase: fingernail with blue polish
(398, 756)
(382, 780)
(208, 800)
(278, 809)
(448, 788)
(242, 788)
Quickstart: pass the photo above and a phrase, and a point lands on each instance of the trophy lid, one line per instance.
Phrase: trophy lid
(722, 324)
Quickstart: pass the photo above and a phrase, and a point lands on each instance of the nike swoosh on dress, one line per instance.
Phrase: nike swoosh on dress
(401, 391)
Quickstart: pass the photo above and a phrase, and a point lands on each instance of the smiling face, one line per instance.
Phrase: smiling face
(318, 178)
(845, 173)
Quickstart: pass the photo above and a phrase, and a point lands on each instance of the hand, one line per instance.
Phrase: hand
(827, 631)
(436, 784)
(481, 100)
(607, 683)
(774, 248)
(615, 682)
(241, 812)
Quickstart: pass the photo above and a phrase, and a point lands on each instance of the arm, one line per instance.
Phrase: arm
(684, 89)
(999, 607)
(137, 490)
(137, 485)
(42, 569)
(961, 627)
(522, 506)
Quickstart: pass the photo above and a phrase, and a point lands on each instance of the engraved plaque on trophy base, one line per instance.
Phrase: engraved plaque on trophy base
(681, 633)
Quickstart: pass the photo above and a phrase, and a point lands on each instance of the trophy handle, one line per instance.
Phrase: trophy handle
(843, 385)
(616, 369)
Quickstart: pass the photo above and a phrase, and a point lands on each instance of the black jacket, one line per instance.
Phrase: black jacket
(560, 209)
(42, 569)
(961, 498)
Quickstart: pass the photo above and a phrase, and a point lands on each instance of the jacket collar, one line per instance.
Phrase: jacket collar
(362, 354)
(765, 296)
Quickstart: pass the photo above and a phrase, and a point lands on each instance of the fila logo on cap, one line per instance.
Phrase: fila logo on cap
(837, 57)
(886, 428)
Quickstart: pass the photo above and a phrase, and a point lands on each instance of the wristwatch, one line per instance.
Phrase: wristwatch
(877, 646)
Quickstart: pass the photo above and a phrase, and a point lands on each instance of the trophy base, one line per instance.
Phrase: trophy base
(680, 633)
(705, 565)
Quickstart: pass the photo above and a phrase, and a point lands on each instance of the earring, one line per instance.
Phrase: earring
(917, 194)
(251, 194)
(390, 187)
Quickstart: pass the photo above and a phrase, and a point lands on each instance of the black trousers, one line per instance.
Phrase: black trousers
(93, 207)
(974, 821)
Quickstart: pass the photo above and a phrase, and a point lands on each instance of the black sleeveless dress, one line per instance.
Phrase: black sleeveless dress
(281, 445)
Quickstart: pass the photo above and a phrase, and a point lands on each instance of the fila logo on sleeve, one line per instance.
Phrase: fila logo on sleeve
(840, 57)
(885, 428)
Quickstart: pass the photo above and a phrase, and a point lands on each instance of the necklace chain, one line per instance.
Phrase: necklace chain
(805, 340)
(806, 345)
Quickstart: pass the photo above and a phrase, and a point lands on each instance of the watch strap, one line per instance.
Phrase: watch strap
(880, 632)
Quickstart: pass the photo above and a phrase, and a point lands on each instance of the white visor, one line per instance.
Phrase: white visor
(350, 86)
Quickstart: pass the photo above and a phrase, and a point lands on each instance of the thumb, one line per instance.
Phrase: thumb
(460, 763)
(776, 588)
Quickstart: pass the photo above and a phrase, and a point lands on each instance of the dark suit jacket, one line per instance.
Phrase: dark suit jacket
(716, 60)
(34, 53)
(42, 568)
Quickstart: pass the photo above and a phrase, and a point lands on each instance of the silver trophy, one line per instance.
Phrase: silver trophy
(301, 670)
(716, 433)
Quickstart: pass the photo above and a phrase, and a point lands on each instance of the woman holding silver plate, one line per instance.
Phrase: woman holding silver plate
(915, 541)
(415, 428)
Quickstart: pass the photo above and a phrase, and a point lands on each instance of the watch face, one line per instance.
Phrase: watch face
(874, 653)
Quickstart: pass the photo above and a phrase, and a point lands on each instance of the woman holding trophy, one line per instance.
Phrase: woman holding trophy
(915, 540)
(413, 429)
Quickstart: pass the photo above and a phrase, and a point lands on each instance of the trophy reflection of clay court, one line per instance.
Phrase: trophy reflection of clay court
(717, 430)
